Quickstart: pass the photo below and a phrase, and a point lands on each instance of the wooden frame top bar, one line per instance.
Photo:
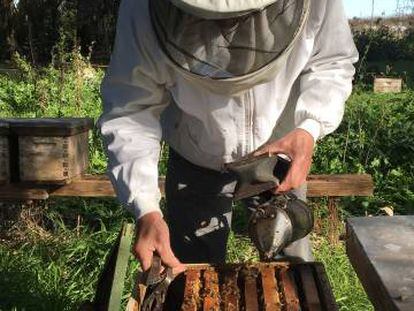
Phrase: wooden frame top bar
(100, 186)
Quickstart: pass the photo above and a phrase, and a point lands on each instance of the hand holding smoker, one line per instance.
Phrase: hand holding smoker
(283, 218)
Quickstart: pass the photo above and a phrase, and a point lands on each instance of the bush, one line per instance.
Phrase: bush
(385, 43)
(375, 137)
(385, 50)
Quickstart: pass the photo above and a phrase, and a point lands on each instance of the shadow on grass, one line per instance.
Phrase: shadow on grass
(20, 290)
(240, 219)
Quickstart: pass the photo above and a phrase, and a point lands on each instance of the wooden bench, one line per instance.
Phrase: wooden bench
(331, 186)
(100, 186)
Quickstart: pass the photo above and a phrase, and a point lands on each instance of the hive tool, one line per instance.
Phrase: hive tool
(157, 281)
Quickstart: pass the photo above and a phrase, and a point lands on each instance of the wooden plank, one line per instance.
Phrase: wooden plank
(318, 186)
(230, 290)
(211, 292)
(324, 287)
(270, 289)
(191, 290)
(48, 127)
(91, 186)
(111, 281)
(100, 186)
(288, 288)
(381, 250)
(251, 299)
(309, 288)
(22, 192)
(85, 187)
(340, 185)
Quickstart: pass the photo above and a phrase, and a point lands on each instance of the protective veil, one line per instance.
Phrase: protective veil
(236, 49)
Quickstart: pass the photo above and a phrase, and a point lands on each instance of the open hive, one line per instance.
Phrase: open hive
(261, 286)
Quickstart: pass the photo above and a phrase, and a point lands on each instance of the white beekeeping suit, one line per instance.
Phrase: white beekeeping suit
(223, 74)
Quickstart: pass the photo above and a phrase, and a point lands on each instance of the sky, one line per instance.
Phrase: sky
(362, 8)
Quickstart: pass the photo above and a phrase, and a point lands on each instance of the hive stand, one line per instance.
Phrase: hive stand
(331, 186)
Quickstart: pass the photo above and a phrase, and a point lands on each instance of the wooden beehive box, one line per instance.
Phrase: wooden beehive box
(387, 85)
(51, 151)
(254, 287)
(4, 153)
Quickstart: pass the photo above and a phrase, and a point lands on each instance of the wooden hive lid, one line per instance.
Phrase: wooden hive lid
(49, 126)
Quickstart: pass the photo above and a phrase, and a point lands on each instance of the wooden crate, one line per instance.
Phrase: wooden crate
(4, 153)
(387, 85)
(51, 151)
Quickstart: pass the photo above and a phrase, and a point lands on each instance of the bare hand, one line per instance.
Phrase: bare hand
(153, 236)
(298, 146)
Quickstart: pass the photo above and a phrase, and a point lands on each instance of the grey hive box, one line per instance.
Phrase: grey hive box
(51, 151)
(4, 153)
(381, 250)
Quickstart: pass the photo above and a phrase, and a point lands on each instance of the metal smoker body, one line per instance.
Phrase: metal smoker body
(279, 222)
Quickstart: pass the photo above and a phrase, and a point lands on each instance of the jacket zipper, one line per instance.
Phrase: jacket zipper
(248, 121)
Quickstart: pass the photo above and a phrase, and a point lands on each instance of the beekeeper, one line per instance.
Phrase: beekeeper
(215, 79)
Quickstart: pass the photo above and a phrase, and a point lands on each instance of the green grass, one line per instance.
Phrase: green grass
(347, 289)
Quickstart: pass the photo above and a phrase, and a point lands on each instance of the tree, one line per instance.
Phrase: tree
(7, 40)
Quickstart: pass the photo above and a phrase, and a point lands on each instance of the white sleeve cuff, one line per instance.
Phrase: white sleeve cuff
(311, 126)
(144, 204)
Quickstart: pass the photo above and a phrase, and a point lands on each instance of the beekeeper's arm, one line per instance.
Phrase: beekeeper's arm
(324, 86)
(134, 95)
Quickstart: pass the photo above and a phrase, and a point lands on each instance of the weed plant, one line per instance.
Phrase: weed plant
(375, 137)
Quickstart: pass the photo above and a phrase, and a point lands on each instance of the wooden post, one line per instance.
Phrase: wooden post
(334, 222)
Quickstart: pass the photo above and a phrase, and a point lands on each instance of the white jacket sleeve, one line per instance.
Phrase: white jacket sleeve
(134, 96)
(326, 82)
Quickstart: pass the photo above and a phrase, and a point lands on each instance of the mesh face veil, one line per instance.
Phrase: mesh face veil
(225, 48)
